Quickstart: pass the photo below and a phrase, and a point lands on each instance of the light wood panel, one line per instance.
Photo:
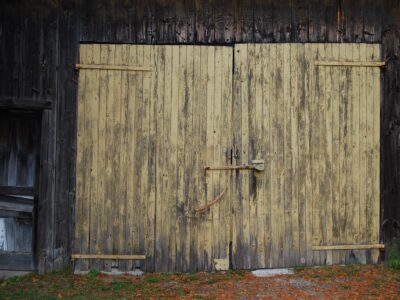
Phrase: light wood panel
(144, 138)
(319, 137)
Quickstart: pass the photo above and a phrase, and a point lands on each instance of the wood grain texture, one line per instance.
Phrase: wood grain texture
(316, 192)
(141, 135)
(40, 42)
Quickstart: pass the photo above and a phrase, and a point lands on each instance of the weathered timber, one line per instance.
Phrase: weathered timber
(112, 67)
(40, 46)
(348, 247)
(16, 261)
(107, 257)
(17, 190)
(25, 103)
(350, 63)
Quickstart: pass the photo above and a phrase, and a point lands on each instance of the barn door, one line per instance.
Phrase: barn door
(315, 122)
(149, 119)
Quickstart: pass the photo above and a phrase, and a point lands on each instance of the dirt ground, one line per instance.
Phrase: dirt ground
(333, 282)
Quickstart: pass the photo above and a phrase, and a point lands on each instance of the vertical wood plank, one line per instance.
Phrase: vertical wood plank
(79, 157)
(363, 153)
(267, 90)
(259, 152)
(174, 157)
(159, 56)
(309, 81)
(166, 195)
(132, 209)
(355, 150)
(252, 60)
(209, 237)
(244, 158)
(92, 119)
(301, 81)
(287, 159)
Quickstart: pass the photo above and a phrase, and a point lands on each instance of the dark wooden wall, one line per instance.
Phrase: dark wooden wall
(39, 43)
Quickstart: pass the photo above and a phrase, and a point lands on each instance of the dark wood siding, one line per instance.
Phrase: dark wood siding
(39, 45)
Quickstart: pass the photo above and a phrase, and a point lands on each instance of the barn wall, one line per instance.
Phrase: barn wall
(39, 44)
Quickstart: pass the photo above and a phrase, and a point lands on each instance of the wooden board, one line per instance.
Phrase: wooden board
(319, 139)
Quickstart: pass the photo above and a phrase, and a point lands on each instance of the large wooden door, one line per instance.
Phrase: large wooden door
(149, 119)
(315, 122)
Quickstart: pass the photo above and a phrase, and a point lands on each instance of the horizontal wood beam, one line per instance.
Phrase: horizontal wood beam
(16, 261)
(25, 103)
(350, 63)
(16, 207)
(17, 190)
(113, 67)
(349, 247)
(15, 214)
(107, 256)
(16, 199)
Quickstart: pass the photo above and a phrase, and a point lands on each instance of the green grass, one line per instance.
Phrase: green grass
(393, 260)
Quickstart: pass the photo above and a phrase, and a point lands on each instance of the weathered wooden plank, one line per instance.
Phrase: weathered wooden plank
(309, 81)
(107, 256)
(134, 118)
(203, 110)
(334, 93)
(302, 150)
(18, 207)
(174, 159)
(110, 143)
(267, 86)
(79, 156)
(99, 245)
(244, 208)
(329, 175)
(287, 149)
(373, 52)
(158, 89)
(363, 238)
(343, 130)
(323, 195)
(258, 152)
(196, 186)
(294, 153)
(16, 261)
(17, 190)
(115, 67)
(180, 200)
(167, 157)
(226, 137)
(348, 247)
(355, 62)
(278, 163)
(25, 103)
(209, 237)
(188, 156)
(217, 182)
(122, 57)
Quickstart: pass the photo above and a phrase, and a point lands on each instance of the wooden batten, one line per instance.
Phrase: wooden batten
(17, 190)
(107, 257)
(350, 63)
(113, 67)
(348, 247)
